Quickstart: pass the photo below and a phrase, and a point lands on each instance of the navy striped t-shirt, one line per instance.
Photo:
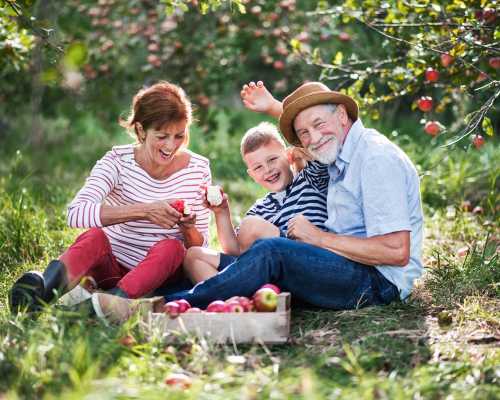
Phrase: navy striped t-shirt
(306, 195)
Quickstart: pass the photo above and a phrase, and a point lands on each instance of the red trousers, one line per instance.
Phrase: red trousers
(91, 255)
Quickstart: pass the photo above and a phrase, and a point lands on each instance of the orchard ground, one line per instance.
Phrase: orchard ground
(443, 343)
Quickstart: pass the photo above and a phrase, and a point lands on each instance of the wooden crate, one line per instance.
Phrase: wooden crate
(260, 327)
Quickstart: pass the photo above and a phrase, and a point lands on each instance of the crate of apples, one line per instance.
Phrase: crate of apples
(265, 317)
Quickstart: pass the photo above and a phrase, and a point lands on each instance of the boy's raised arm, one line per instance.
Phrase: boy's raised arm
(256, 97)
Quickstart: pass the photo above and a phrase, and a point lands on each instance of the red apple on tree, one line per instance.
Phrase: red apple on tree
(425, 103)
(279, 65)
(432, 128)
(344, 37)
(478, 141)
(446, 60)
(494, 62)
(265, 300)
(431, 75)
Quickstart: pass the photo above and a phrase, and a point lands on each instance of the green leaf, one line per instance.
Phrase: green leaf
(76, 55)
(337, 60)
(487, 126)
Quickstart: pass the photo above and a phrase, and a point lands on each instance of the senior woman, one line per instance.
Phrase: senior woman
(136, 240)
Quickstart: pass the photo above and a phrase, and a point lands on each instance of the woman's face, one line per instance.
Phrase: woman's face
(162, 144)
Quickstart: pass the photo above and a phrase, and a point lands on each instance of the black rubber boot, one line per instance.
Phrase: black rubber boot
(55, 280)
(33, 289)
(27, 293)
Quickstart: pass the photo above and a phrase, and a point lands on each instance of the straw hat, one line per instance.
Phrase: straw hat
(307, 95)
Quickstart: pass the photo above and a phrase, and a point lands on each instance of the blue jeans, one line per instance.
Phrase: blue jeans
(312, 274)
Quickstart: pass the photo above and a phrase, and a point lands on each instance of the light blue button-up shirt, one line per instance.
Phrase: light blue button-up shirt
(374, 189)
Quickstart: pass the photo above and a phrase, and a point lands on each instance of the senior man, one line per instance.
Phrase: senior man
(371, 253)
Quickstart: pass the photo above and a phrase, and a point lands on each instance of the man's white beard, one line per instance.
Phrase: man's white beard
(326, 155)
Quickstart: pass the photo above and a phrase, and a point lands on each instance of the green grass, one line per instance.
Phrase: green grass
(442, 344)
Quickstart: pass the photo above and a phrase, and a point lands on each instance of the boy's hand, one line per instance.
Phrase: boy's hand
(188, 221)
(257, 98)
(298, 158)
(222, 207)
(301, 229)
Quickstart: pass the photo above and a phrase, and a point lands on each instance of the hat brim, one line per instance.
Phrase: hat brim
(309, 100)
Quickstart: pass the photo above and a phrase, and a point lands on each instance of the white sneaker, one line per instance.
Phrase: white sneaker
(75, 296)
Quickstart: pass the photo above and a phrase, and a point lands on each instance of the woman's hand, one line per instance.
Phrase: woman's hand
(162, 214)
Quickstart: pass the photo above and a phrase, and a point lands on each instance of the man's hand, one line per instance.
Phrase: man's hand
(299, 228)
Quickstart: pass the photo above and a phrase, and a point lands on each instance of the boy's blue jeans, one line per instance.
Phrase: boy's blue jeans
(312, 274)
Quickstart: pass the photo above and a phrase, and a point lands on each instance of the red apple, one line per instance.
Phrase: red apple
(193, 310)
(217, 306)
(432, 128)
(466, 206)
(478, 141)
(178, 205)
(431, 75)
(246, 303)
(446, 60)
(344, 37)
(234, 306)
(425, 103)
(279, 65)
(477, 210)
(494, 62)
(178, 381)
(265, 300)
(462, 252)
(127, 341)
(273, 287)
(172, 308)
(183, 305)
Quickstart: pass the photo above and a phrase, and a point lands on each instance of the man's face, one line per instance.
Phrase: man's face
(320, 131)
(269, 166)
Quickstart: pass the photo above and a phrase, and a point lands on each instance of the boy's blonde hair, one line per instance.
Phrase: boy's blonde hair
(259, 136)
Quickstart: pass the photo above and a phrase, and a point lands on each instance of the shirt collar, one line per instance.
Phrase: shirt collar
(337, 168)
(351, 141)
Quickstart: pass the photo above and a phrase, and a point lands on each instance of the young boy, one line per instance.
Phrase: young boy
(268, 164)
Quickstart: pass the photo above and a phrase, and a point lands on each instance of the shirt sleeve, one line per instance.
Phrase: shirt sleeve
(317, 175)
(85, 209)
(384, 193)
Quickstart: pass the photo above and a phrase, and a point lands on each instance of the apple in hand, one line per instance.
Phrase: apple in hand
(425, 103)
(214, 195)
(217, 306)
(181, 206)
(265, 300)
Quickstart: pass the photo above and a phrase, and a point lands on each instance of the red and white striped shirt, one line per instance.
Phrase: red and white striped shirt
(117, 180)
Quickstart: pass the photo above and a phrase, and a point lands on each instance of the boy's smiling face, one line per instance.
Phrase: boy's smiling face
(269, 167)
